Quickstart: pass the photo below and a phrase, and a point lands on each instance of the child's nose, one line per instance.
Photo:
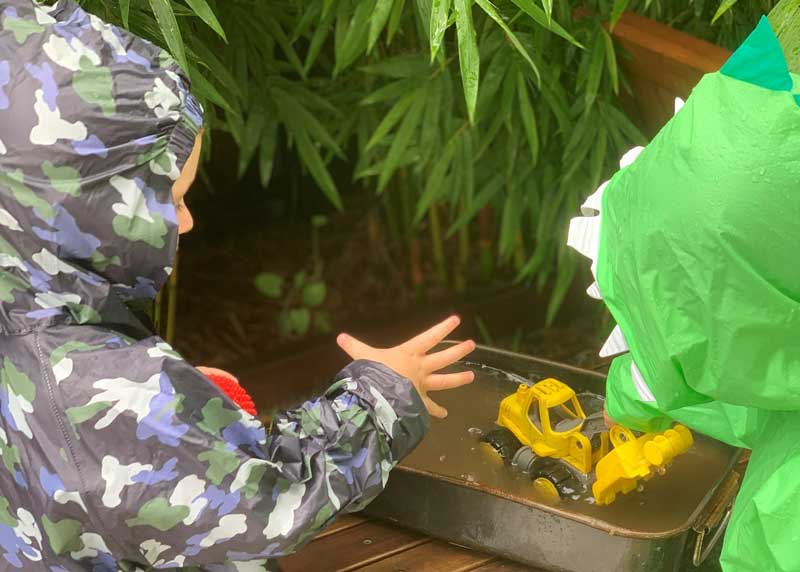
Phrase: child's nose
(185, 221)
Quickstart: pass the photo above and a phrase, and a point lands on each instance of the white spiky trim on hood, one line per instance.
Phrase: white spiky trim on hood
(584, 236)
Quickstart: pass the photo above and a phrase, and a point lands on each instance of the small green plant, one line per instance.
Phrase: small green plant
(302, 298)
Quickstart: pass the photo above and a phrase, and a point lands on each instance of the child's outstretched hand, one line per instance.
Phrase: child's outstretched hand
(412, 361)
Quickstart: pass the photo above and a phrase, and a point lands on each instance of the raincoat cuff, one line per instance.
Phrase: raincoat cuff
(401, 414)
(625, 403)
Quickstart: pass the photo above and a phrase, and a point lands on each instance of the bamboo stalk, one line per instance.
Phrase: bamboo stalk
(785, 20)
(462, 268)
(437, 244)
(485, 243)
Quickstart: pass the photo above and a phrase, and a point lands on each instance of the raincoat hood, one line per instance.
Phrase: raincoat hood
(694, 245)
(95, 126)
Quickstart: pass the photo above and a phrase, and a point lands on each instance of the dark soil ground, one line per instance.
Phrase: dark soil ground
(224, 321)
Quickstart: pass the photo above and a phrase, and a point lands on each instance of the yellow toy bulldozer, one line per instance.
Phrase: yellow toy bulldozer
(546, 433)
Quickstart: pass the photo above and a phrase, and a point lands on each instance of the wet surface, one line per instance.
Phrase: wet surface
(453, 449)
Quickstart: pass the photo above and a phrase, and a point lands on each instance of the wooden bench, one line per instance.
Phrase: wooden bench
(358, 544)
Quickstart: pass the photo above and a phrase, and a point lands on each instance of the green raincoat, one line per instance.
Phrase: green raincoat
(695, 245)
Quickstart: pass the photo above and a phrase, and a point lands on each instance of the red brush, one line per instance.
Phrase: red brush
(229, 385)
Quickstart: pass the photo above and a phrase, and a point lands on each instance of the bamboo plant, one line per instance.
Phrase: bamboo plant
(477, 123)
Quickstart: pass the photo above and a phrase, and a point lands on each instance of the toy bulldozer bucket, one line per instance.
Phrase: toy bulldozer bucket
(634, 459)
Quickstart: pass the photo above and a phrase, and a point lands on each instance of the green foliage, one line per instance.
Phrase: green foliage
(446, 109)
(302, 298)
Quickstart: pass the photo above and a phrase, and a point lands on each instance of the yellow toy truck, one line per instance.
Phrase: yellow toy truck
(545, 432)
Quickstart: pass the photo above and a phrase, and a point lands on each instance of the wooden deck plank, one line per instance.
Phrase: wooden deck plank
(342, 523)
(351, 549)
(505, 566)
(430, 557)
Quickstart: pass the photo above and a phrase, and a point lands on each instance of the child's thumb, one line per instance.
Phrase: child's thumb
(356, 349)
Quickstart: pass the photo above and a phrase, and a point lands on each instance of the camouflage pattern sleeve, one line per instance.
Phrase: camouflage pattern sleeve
(177, 475)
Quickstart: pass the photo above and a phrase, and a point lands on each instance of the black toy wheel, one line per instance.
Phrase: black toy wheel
(555, 480)
(504, 442)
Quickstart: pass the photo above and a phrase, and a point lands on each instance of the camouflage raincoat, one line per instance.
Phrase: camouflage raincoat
(116, 454)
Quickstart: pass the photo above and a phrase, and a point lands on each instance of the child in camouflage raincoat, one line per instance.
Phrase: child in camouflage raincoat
(117, 454)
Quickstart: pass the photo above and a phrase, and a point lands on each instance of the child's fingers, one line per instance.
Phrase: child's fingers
(442, 359)
(434, 408)
(440, 382)
(429, 338)
(356, 349)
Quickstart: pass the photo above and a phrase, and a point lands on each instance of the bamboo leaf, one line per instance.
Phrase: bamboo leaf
(434, 184)
(785, 20)
(206, 90)
(312, 160)
(557, 105)
(355, 41)
(390, 120)
(724, 6)
(485, 195)
(125, 10)
(595, 70)
(625, 125)
(548, 9)
(617, 11)
(218, 70)
(468, 56)
(380, 16)
(307, 19)
(410, 157)
(283, 41)
(491, 11)
(300, 116)
(430, 135)
(576, 160)
(528, 118)
(565, 274)
(202, 9)
(611, 61)
(398, 67)
(598, 159)
(440, 13)
(165, 16)
(394, 20)
(269, 139)
(392, 91)
(251, 138)
(510, 224)
(492, 80)
(401, 141)
(318, 40)
(540, 18)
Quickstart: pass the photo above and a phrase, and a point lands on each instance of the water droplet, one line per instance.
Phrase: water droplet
(470, 478)
(475, 432)
(442, 458)
(761, 171)
(640, 488)
(367, 541)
